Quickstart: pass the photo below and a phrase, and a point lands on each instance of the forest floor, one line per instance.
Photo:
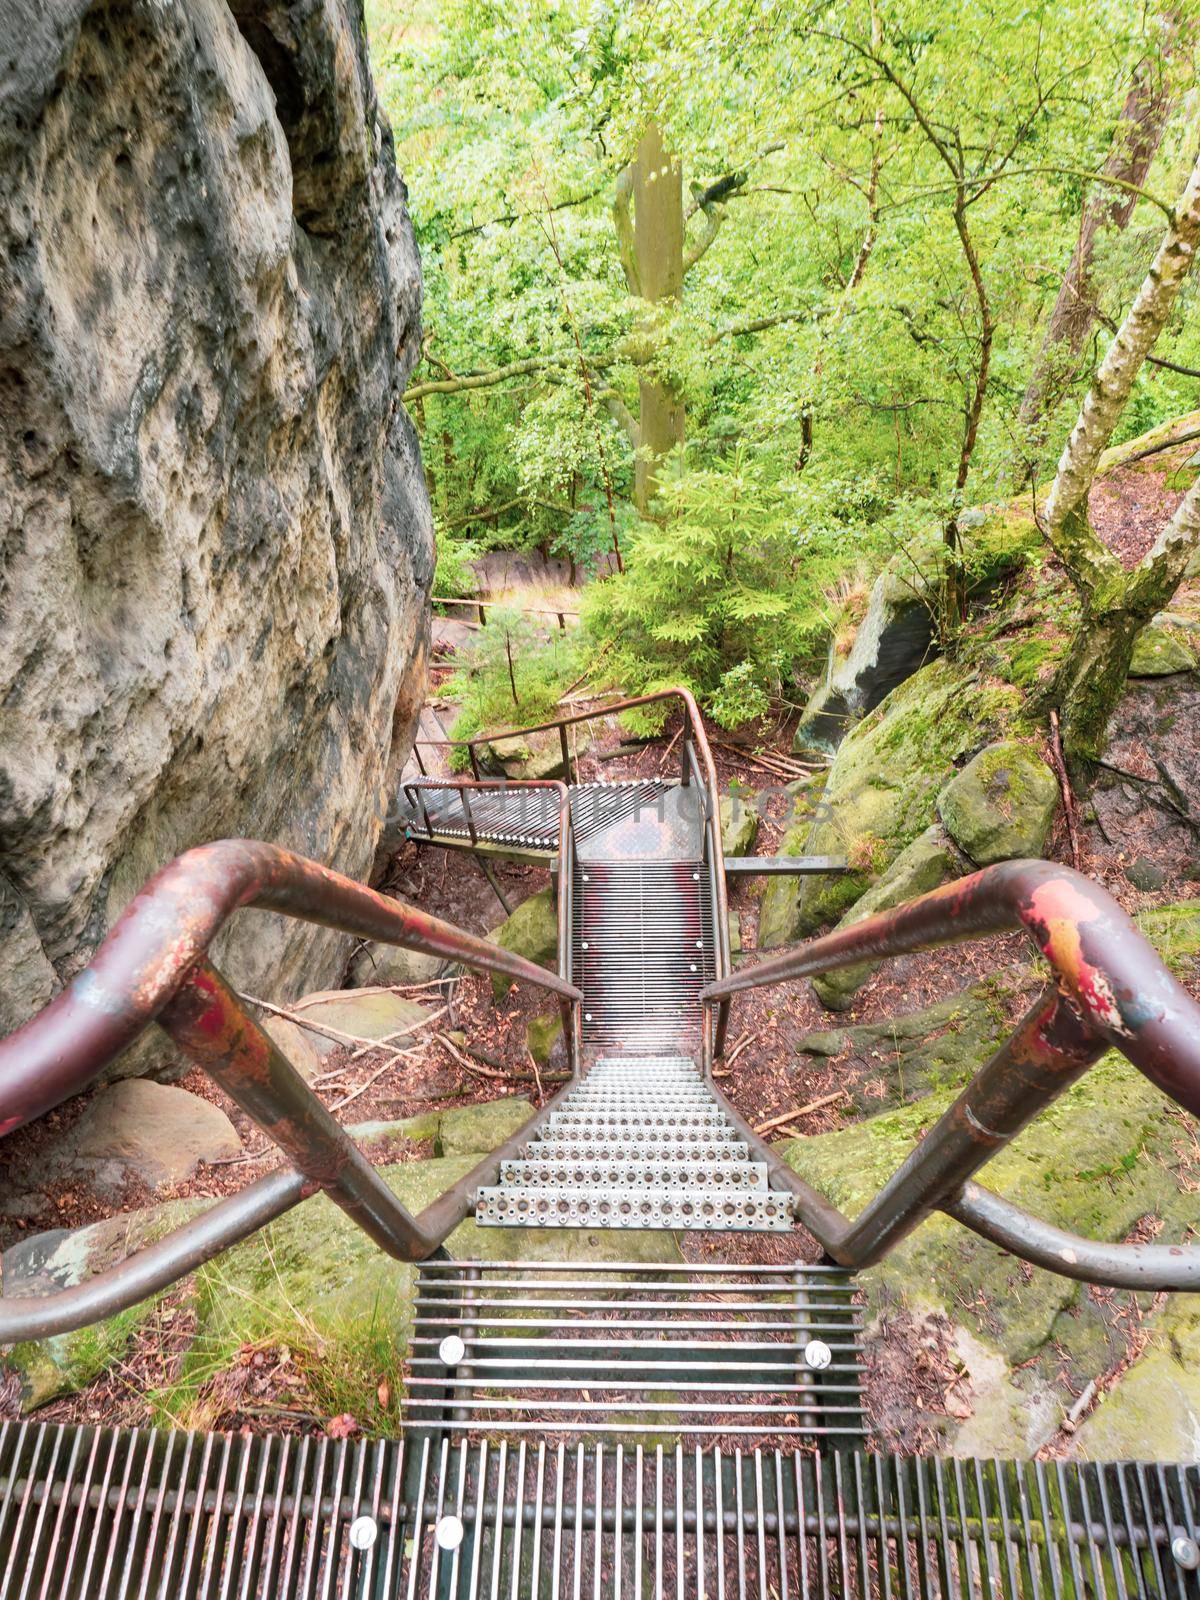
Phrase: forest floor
(767, 1075)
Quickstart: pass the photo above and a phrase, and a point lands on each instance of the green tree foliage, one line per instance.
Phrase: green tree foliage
(881, 199)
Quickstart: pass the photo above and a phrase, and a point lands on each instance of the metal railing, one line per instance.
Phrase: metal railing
(1111, 990)
(153, 969)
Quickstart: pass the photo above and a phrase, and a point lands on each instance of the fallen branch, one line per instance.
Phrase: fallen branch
(537, 1076)
(732, 1055)
(781, 766)
(801, 1111)
(674, 741)
(476, 1067)
(378, 1073)
(1060, 767)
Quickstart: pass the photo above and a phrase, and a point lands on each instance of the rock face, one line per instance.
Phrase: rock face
(532, 932)
(214, 533)
(881, 790)
(897, 633)
(147, 1131)
(1001, 806)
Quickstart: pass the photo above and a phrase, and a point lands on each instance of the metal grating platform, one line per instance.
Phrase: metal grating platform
(643, 950)
(628, 1349)
(512, 813)
(642, 1142)
(122, 1515)
(518, 816)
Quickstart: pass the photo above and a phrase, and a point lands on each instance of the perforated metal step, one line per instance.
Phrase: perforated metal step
(629, 1349)
(640, 1143)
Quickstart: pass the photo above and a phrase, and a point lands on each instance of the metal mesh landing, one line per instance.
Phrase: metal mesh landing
(643, 950)
(112, 1514)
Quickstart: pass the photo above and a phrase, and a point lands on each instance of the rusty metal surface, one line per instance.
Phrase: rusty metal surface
(1109, 975)
(1111, 990)
(164, 932)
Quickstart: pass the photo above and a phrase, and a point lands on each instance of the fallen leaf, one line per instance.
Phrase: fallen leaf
(342, 1427)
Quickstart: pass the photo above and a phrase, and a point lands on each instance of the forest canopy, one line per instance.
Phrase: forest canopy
(758, 294)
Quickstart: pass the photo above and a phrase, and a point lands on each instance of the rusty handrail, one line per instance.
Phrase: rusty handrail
(571, 1013)
(165, 931)
(152, 967)
(1111, 990)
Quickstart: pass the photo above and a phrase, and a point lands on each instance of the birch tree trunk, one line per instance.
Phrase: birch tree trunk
(1115, 604)
(1137, 136)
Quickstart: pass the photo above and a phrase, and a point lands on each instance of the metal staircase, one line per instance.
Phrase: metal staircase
(647, 1426)
(643, 1142)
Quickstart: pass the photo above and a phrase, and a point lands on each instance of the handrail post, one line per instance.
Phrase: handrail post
(420, 792)
(207, 1023)
(464, 798)
(474, 759)
(1050, 1049)
(566, 752)
(420, 760)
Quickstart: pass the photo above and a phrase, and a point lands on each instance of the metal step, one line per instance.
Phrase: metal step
(123, 1514)
(713, 1151)
(743, 1212)
(641, 1157)
(622, 1348)
(652, 1173)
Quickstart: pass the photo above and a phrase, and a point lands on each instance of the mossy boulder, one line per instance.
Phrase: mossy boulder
(359, 1013)
(881, 790)
(531, 931)
(311, 1281)
(739, 824)
(536, 755)
(930, 860)
(383, 964)
(1152, 1412)
(903, 1059)
(476, 1129)
(1107, 1154)
(1001, 806)
(1159, 651)
(896, 634)
(544, 1037)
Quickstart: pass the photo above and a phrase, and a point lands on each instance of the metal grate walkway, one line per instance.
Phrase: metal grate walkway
(112, 1514)
(698, 1352)
(642, 1142)
(643, 950)
(516, 815)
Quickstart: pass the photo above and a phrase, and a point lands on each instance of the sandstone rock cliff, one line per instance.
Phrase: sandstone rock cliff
(215, 542)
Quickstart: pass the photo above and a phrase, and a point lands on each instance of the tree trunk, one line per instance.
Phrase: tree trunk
(1091, 680)
(658, 251)
(1137, 136)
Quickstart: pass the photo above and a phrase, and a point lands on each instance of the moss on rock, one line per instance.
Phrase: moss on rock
(923, 865)
(477, 1129)
(1106, 1154)
(1159, 651)
(739, 824)
(1001, 806)
(531, 931)
(882, 788)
